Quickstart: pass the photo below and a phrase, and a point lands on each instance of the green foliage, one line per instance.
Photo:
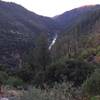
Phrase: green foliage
(98, 51)
(26, 73)
(87, 53)
(95, 98)
(14, 82)
(69, 70)
(39, 78)
(18, 32)
(36, 61)
(3, 77)
(92, 84)
(42, 54)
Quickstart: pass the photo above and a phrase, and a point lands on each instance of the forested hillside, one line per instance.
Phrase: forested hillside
(76, 35)
(18, 29)
(58, 58)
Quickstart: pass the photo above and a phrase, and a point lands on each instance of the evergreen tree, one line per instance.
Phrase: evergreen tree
(42, 54)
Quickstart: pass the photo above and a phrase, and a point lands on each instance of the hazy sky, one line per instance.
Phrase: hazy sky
(53, 7)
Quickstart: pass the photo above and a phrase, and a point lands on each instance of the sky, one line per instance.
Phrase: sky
(53, 7)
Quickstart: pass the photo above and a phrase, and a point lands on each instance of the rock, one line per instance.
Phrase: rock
(4, 99)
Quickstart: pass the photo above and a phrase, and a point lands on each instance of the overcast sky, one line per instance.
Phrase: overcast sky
(53, 7)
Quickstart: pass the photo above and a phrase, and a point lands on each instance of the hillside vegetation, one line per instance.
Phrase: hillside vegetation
(70, 70)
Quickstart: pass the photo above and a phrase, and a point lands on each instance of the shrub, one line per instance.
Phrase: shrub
(14, 81)
(69, 70)
(39, 79)
(92, 84)
(63, 91)
(95, 98)
(3, 77)
(87, 53)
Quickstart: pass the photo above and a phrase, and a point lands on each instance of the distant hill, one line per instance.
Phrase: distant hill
(78, 25)
(18, 29)
(74, 16)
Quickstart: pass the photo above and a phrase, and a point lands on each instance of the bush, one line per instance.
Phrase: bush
(3, 77)
(39, 79)
(87, 53)
(95, 98)
(14, 81)
(69, 70)
(25, 73)
(92, 84)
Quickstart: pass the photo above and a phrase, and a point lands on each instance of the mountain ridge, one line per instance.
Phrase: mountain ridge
(19, 27)
(77, 30)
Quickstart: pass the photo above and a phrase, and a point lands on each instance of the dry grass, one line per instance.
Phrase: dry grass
(58, 92)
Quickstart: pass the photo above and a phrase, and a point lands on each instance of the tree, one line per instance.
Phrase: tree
(35, 60)
(42, 54)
